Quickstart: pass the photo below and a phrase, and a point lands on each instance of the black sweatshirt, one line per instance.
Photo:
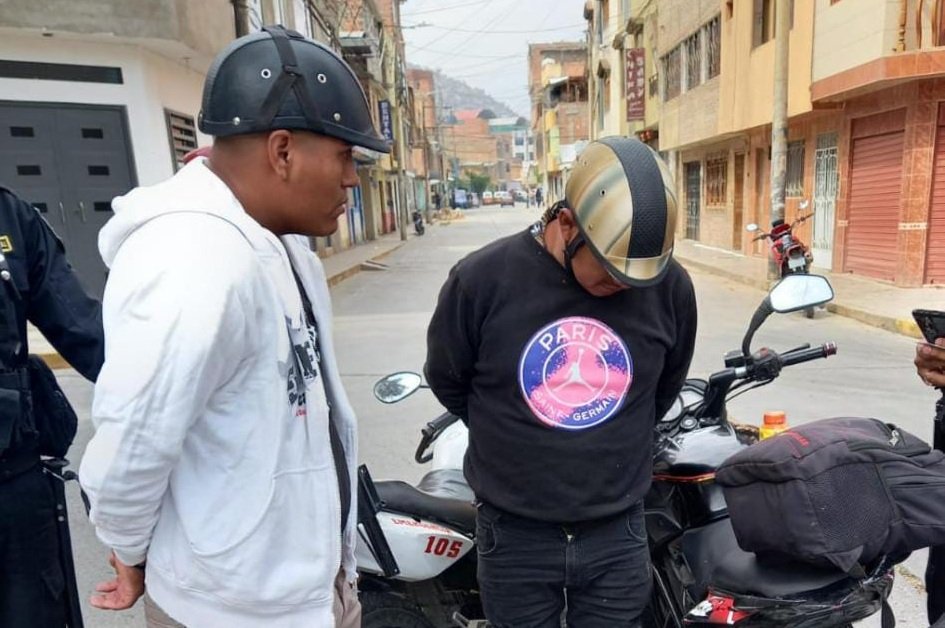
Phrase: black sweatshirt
(560, 389)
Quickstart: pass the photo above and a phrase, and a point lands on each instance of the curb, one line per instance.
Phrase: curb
(903, 326)
(57, 362)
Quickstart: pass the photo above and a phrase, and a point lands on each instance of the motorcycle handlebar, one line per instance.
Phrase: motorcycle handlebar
(430, 433)
(796, 357)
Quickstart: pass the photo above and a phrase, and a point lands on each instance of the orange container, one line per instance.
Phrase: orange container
(775, 422)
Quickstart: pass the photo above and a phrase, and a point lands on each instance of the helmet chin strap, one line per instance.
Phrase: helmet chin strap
(570, 250)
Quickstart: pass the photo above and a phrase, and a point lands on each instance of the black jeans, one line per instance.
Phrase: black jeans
(935, 571)
(530, 571)
(31, 579)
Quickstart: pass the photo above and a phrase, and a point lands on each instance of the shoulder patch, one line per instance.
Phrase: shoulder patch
(6, 245)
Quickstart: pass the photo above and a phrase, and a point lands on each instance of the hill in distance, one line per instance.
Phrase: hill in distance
(456, 94)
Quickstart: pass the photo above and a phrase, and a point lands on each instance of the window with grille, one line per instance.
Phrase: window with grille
(182, 134)
(716, 178)
(713, 47)
(794, 181)
(693, 46)
(672, 73)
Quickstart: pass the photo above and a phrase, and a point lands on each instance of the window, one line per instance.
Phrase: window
(794, 180)
(182, 135)
(716, 178)
(672, 74)
(599, 19)
(763, 29)
(654, 85)
(624, 9)
(764, 19)
(713, 47)
(693, 47)
(600, 105)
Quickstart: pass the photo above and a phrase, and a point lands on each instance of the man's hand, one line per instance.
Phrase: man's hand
(930, 363)
(123, 591)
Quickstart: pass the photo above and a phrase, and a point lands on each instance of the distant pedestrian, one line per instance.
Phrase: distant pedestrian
(538, 198)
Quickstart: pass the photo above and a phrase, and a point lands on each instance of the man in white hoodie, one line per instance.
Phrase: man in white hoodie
(222, 470)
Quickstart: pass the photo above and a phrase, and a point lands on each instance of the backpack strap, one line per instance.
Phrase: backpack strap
(888, 618)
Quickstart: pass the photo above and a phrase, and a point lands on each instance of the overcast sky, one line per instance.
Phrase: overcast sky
(485, 42)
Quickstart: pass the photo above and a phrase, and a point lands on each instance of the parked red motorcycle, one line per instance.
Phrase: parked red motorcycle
(790, 254)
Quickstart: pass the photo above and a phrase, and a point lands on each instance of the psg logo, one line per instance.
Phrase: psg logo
(575, 373)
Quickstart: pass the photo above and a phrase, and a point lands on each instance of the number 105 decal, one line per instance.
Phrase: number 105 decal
(443, 547)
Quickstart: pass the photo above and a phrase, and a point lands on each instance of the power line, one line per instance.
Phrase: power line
(445, 33)
(497, 32)
(449, 8)
(488, 25)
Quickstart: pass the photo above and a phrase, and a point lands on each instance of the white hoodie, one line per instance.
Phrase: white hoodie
(199, 463)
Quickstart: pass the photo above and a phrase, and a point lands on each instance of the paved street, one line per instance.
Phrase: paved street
(380, 324)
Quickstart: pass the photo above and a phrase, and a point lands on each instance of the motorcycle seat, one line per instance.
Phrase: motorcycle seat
(405, 499)
(715, 559)
(448, 483)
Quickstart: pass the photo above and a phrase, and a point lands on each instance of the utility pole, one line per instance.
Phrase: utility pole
(779, 122)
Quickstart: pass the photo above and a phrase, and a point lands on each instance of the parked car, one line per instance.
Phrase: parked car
(504, 198)
(520, 196)
(474, 200)
(488, 198)
(461, 199)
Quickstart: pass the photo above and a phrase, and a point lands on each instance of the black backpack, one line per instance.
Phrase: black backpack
(842, 492)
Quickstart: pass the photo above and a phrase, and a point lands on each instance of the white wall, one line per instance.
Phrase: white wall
(151, 83)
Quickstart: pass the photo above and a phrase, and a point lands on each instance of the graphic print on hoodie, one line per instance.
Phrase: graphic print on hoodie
(575, 373)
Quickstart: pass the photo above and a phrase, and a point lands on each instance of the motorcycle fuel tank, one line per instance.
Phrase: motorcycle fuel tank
(684, 487)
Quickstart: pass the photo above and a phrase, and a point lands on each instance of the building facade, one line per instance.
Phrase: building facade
(865, 85)
(623, 78)
(557, 78)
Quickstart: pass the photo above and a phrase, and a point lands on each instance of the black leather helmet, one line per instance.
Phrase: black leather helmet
(278, 79)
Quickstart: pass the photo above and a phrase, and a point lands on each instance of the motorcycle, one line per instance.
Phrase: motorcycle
(790, 255)
(417, 559)
(418, 222)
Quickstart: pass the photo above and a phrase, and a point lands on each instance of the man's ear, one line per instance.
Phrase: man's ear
(566, 224)
(279, 147)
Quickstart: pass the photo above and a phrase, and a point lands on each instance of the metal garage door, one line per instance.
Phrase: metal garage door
(69, 161)
(875, 201)
(935, 253)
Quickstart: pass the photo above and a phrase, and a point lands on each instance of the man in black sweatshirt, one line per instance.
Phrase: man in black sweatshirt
(560, 347)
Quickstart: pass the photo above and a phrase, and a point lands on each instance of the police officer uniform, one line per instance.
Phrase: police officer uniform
(38, 285)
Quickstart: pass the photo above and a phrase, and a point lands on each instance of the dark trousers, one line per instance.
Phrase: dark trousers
(935, 572)
(32, 587)
(530, 571)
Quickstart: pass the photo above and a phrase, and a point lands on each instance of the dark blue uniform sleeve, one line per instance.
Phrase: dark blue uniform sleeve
(57, 303)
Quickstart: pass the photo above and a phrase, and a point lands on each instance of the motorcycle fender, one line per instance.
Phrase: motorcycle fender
(423, 549)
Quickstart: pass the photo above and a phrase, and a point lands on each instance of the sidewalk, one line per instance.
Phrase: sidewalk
(338, 267)
(869, 301)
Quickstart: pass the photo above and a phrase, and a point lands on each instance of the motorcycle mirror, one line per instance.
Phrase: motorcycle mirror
(752, 227)
(804, 204)
(397, 386)
(792, 293)
(798, 292)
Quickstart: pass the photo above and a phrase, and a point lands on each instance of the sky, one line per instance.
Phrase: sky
(485, 42)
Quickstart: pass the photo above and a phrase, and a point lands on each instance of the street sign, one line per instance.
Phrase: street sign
(387, 126)
(635, 68)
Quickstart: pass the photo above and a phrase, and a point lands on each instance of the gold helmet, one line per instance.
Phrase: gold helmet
(621, 195)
